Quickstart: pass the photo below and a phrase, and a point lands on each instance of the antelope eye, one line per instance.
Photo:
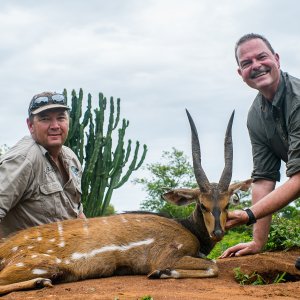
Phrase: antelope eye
(203, 208)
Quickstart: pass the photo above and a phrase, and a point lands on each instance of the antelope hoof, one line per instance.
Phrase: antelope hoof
(43, 282)
(154, 275)
(166, 273)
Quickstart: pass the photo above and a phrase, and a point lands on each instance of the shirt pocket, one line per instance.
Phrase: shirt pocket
(50, 197)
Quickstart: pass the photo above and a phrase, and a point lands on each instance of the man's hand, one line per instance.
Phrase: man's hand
(261, 189)
(236, 218)
(242, 249)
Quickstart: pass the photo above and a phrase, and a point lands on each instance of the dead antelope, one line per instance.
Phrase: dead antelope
(136, 243)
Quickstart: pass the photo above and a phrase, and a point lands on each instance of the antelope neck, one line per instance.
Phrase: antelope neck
(195, 224)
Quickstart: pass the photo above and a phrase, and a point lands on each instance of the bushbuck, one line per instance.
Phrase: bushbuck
(130, 243)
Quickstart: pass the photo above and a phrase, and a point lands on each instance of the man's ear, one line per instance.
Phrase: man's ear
(181, 196)
(239, 71)
(277, 59)
(30, 125)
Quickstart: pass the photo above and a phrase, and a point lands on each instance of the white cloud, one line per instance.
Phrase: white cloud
(159, 57)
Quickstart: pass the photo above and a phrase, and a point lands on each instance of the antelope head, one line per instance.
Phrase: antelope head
(212, 199)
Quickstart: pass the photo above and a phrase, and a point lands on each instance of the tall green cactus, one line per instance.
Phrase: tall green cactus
(103, 163)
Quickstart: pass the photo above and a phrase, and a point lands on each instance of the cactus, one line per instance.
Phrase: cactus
(103, 164)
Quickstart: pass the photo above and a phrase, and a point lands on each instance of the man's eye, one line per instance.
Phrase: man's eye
(245, 65)
(262, 57)
(62, 117)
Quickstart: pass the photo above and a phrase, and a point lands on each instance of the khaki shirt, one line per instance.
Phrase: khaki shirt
(274, 129)
(31, 191)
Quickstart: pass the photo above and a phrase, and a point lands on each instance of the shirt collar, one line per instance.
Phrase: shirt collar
(277, 100)
(43, 150)
(46, 153)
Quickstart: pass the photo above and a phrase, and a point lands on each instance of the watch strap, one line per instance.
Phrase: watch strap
(251, 216)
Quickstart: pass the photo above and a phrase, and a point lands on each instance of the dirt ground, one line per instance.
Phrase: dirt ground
(223, 287)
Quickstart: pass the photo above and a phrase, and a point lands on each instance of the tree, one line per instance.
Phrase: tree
(103, 162)
(175, 171)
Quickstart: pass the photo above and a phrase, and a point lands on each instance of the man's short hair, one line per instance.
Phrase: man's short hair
(248, 37)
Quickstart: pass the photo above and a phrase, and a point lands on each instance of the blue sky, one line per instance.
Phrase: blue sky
(158, 56)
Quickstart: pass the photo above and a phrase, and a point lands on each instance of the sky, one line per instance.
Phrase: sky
(158, 56)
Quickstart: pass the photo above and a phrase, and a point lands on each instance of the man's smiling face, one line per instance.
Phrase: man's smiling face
(259, 67)
(50, 128)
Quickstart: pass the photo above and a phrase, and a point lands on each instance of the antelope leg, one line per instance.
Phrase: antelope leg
(24, 285)
(187, 267)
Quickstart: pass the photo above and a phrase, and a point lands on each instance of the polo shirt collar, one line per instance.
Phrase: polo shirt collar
(277, 100)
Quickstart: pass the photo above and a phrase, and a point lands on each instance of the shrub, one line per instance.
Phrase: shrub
(284, 233)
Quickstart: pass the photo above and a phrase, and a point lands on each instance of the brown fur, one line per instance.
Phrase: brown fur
(129, 243)
(89, 248)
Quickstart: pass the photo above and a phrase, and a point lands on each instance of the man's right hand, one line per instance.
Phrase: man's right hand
(242, 249)
(260, 189)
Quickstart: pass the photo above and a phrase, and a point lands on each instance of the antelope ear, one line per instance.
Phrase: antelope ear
(234, 199)
(242, 186)
(181, 196)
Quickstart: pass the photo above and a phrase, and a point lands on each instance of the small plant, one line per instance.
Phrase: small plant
(147, 298)
(245, 279)
(255, 278)
(279, 278)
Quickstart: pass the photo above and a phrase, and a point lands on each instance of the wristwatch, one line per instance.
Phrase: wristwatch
(251, 216)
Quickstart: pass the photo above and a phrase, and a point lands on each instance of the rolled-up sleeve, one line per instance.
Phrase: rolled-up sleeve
(293, 163)
(15, 173)
(266, 165)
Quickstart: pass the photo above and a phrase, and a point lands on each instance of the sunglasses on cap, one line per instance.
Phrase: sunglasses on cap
(47, 102)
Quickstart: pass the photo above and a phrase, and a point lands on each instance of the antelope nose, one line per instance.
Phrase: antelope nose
(218, 233)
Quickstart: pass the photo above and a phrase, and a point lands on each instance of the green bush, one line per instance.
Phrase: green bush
(173, 171)
(284, 233)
